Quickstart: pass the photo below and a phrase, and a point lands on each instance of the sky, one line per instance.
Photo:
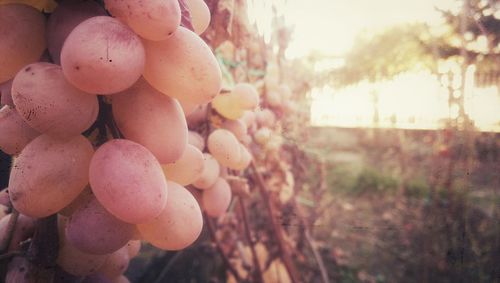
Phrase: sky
(330, 27)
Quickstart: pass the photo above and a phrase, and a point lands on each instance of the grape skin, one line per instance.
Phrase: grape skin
(97, 50)
(178, 225)
(183, 67)
(22, 33)
(154, 120)
(128, 181)
(49, 174)
(51, 105)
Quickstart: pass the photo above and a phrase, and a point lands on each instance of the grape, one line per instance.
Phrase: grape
(22, 30)
(237, 127)
(25, 227)
(265, 118)
(134, 246)
(49, 104)
(5, 93)
(76, 262)
(152, 19)
(15, 133)
(228, 106)
(49, 174)
(71, 259)
(81, 199)
(247, 96)
(187, 169)
(211, 169)
(200, 15)
(92, 229)
(196, 140)
(188, 107)
(20, 270)
(152, 119)
(183, 67)
(245, 159)
(64, 19)
(248, 118)
(224, 146)
(102, 55)
(178, 225)
(116, 264)
(128, 181)
(262, 135)
(217, 198)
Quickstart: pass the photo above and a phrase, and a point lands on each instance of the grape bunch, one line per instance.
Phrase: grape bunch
(137, 173)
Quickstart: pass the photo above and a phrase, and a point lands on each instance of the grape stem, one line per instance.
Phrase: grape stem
(11, 227)
(225, 259)
(278, 233)
(257, 270)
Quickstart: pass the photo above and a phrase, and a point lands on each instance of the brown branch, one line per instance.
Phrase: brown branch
(312, 243)
(225, 259)
(11, 227)
(257, 270)
(285, 254)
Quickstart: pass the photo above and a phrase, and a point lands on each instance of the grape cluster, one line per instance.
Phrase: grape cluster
(152, 181)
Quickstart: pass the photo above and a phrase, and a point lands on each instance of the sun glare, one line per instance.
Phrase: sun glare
(413, 100)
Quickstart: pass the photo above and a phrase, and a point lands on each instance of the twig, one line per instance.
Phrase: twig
(258, 271)
(167, 268)
(225, 259)
(11, 227)
(285, 254)
(109, 120)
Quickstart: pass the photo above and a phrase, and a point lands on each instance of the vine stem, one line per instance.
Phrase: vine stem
(225, 259)
(285, 254)
(256, 263)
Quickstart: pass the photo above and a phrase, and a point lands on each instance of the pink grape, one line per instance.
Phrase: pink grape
(71, 259)
(49, 174)
(22, 33)
(224, 146)
(187, 169)
(128, 181)
(196, 140)
(134, 246)
(51, 105)
(151, 119)
(247, 95)
(217, 198)
(178, 225)
(152, 19)
(237, 127)
(183, 67)
(116, 264)
(102, 55)
(67, 15)
(211, 170)
(92, 229)
(15, 133)
(200, 15)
